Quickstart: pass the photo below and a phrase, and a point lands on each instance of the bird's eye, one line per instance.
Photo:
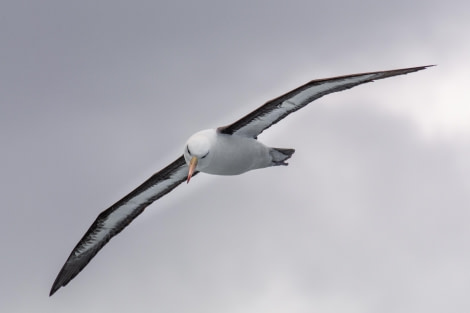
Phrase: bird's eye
(187, 148)
(205, 155)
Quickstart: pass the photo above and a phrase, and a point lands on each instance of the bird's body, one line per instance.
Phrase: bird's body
(223, 154)
(229, 150)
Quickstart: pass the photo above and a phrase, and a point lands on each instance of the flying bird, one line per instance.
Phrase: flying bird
(227, 150)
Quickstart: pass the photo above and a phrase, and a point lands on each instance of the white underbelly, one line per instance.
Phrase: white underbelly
(233, 155)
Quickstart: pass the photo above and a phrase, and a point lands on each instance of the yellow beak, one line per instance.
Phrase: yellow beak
(192, 167)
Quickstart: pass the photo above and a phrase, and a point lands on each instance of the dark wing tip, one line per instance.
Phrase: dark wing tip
(60, 281)
(75, 264)
(64, 277)
(426, 66)
(409, 70)
(54, 288)
(385, 74)
(68, 272)
(415, 69)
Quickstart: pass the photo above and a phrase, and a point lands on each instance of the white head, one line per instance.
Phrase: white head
(197, 151)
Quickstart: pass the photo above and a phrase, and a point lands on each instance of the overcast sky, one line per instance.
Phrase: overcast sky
(371, 215)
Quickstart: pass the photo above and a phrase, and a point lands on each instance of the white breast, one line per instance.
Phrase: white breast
(232, 154)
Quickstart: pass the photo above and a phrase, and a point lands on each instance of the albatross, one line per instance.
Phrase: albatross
(228, 150)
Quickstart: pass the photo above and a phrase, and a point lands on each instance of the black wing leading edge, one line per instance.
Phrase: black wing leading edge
(275, 110)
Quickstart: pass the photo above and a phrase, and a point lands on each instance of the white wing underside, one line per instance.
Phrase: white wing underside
(125, 210)
(274, 110)
(111, 221)
(264, 121)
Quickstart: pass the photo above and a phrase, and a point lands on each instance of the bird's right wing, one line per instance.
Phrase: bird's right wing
(111, 221)
(276, 109)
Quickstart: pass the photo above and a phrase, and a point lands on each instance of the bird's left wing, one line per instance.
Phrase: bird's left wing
(111, 221)
(275, 110)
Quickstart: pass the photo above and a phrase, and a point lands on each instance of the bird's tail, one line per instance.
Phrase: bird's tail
(280, 155)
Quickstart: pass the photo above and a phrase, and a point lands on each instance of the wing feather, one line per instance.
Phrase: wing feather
(276, 109)
(113, 220)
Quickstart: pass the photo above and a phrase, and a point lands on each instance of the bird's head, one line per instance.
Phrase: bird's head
(197, 152)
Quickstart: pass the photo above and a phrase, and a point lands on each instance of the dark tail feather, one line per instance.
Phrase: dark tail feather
(280, 155)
